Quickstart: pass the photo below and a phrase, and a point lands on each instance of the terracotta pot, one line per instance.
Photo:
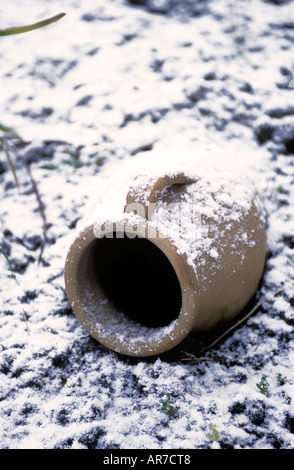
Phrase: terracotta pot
(185, 254)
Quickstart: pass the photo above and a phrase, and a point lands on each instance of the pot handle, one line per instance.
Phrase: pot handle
(144, 192)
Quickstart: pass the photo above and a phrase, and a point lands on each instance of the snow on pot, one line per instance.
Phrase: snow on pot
(181, 251)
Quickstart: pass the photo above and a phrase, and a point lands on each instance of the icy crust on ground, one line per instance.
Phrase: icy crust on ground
(127, 82)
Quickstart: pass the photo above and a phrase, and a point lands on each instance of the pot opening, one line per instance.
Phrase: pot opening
(139, 280)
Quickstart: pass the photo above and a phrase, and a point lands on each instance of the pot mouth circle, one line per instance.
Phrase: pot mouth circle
(138, 278)
(130, 292)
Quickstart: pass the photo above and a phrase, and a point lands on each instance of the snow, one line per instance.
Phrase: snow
(138, 89)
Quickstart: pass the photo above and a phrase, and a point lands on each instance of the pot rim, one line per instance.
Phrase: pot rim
(102, 319)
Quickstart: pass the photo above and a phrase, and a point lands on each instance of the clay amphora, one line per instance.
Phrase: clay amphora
(186, 253)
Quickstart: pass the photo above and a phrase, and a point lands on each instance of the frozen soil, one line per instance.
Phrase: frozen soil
(101, 88)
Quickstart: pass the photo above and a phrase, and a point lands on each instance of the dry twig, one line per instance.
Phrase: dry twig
(42, 211)
(233, 327)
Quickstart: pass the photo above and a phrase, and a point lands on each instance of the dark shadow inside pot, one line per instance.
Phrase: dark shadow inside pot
(139, 279)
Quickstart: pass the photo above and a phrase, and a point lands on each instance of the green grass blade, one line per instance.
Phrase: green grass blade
(11, 131)
(8, 262)
(24, 29)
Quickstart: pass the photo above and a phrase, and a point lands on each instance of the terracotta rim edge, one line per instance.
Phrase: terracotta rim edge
(159, 341)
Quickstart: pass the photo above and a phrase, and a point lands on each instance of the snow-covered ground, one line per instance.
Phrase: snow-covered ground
(98, 90)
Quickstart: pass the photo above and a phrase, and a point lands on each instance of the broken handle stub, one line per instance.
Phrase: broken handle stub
(144, 192)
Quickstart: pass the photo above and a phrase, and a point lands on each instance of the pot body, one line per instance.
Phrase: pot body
(186, 253)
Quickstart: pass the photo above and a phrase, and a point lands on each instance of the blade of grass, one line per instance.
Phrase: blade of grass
(11, 131)
(10, 162)
(24, 29)
(9, 264)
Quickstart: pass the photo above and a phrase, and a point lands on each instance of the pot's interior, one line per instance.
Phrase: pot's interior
(138, 278)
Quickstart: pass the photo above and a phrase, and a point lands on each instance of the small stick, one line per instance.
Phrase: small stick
(42, 211)
(26, 322)
(219, 338)
(198, 359)
(9, 159)
(253, 310)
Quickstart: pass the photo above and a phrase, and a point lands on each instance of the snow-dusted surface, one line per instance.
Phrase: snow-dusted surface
(111, 83)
